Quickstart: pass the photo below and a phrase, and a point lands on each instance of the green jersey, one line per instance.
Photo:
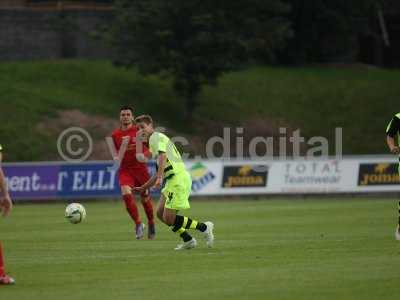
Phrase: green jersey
(159, 142)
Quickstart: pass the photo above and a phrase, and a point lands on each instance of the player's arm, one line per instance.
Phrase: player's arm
(116, 148)
(147, 185)
(157, 179)
(162, 158)
(5, 200)
(119, 149)
(143, 153)
(391, 131)
(392, 145)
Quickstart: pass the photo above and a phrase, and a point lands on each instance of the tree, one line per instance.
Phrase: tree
(329, 31)
(195, 41)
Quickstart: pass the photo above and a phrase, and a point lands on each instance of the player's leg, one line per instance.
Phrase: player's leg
(126, 181)
(132, 209)
(178, 198)
(130, 204)
(2, 272)
(160, 208)
(170, 218)
(397, 234)
(148, 206)
(4, 278)
(148, 209)
(167, 216)
(141, 177)
(183, 223)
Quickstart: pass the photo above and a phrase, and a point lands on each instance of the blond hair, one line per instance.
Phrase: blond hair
(144, 118)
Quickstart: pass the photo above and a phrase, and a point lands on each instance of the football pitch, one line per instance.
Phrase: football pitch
(264, 249)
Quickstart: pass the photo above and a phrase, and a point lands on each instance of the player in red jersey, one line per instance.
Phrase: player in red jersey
(5, 208)
(133, 172)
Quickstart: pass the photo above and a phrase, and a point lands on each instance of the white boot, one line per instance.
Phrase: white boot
(209, 234)
(187, 245)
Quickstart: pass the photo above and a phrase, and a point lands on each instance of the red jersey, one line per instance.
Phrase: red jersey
(129, 161)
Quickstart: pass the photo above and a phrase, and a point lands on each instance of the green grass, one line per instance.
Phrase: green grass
(278, 249)
(33, 91)
(314, 99)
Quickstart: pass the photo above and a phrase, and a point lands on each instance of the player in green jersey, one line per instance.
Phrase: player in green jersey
(392, 132)
(177, 186)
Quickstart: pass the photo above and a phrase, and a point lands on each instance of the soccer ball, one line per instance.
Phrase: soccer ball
(75, 213)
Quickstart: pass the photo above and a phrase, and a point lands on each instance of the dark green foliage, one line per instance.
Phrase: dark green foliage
(196, 41)
(328, 31)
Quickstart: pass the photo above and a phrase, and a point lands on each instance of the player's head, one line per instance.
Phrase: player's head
(126, 116)
(145, 124)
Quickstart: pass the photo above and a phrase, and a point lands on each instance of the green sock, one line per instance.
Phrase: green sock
(187, 223)
(180, 229)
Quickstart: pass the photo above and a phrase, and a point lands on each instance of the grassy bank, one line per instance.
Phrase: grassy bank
(314, 99)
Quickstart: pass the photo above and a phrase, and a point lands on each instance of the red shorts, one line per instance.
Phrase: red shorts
(134, 178)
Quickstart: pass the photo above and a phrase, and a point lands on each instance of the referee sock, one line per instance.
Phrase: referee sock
(187, 223)
(1, 263)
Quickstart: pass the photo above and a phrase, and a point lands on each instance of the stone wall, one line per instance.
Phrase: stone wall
(33, 34)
